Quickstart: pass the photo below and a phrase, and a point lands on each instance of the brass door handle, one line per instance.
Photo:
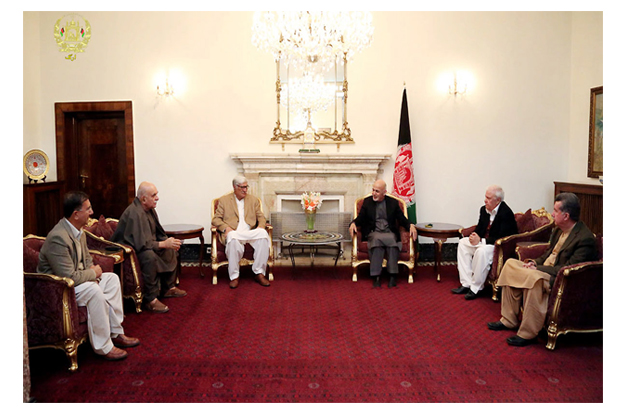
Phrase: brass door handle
(82, 179)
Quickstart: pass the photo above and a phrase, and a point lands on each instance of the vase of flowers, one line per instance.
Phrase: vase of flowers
(311, 201)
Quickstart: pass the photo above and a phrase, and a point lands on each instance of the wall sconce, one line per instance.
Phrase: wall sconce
(459, 86)
(167, 91)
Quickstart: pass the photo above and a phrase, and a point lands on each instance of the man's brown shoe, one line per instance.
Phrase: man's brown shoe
(115, 354)
(262, 280)
(124, 341)
(156, 306)
(174, 292)
(234, 283)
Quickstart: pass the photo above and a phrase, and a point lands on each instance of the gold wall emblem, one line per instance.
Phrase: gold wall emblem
(72, 33)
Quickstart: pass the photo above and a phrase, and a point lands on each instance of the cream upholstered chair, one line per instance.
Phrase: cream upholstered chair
(218, 250)
(360, 251)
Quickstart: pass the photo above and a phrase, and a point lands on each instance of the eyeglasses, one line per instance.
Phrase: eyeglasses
(242, 187)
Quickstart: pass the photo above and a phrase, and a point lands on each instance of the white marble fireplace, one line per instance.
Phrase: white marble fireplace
(276, 178)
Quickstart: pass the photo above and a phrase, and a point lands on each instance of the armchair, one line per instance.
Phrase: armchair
(218, 250)
(53, 318)
(99, 233)
(576, 299)
(360, 250)
(534, 226)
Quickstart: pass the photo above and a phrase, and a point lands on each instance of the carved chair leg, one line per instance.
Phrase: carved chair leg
(552, 336)
(495, 296)
(355, 274)
(71, 350)
(410, 271)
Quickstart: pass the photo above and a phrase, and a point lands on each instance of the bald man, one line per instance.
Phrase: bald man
(379, 219)
(140, 228)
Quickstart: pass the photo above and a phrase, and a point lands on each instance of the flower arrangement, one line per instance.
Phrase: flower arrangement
(311, 201)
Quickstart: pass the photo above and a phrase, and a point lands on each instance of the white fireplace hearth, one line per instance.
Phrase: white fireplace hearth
(276, 178)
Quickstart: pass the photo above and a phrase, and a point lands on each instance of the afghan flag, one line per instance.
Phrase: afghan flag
(403, 176)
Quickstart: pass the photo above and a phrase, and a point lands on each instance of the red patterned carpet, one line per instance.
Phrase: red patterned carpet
(315, 336)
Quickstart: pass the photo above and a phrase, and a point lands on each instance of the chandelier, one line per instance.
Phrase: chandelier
(310, 93)
(312, 39)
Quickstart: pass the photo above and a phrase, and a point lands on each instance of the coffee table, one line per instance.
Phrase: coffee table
(439, 232)
(313, 240)
(185, 231)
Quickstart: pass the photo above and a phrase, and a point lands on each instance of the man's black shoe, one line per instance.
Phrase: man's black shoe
(470, 295)
(460, 290)
(376, 282)
(497, 326)
(519, 341)
(392, 282)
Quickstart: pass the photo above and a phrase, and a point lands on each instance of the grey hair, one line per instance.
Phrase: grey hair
(240, 179)
(143, 189)
(497, 190)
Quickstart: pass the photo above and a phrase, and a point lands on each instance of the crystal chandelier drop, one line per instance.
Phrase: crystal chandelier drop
(310, 93)
(312, 40)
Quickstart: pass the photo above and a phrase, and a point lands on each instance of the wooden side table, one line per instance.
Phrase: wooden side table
(439, 232)
(185, 231)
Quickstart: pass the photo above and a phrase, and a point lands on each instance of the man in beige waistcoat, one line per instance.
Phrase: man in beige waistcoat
(529, 284)
(240, 220)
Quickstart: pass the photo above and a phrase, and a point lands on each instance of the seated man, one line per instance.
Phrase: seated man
(65, 254)
(529, 284)
(475, 253)
(140, 228)
(378, 219)
(235, 233)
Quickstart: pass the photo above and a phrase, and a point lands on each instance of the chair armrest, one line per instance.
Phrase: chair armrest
(576, 298)
(106, 261)
(465, 232)
(51, 308)
(528, 250)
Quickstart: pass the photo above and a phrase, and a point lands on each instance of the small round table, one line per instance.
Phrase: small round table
(313, 239)
(185, 231)
(439, 232)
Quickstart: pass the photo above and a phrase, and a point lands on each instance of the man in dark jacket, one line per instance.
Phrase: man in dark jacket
(529, 284)
(475, 253)
(379, 219)
(140, 228)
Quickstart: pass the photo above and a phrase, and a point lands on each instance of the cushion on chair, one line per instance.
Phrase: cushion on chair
(31, 259)
(525, 222)
(102, 228)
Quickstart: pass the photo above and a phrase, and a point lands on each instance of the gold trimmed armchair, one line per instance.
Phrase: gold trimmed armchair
(53, 319)
(360, 249)
(533, 226)
(576, 299)
(218, 250)
(99, 233)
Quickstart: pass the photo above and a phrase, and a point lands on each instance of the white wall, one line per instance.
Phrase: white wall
(523, 125)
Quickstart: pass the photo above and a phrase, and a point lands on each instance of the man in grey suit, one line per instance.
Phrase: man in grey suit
(65, 254)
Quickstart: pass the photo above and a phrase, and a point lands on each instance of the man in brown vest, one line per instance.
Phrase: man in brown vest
(529, 284)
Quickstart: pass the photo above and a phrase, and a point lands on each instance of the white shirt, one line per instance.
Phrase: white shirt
(492, 218)
(242, 226)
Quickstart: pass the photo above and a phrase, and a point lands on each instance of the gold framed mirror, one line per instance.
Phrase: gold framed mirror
(311, 107)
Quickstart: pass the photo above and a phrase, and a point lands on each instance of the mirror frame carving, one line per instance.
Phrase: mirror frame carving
(283, 137)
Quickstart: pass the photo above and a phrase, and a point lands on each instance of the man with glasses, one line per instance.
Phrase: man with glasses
(235, 233)
(65, 254)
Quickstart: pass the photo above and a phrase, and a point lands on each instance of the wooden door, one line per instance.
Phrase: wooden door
(95, 153)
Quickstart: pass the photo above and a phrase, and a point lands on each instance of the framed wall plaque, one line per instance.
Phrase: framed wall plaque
(595, 139)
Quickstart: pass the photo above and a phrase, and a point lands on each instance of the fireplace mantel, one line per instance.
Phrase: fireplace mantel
(350, 175)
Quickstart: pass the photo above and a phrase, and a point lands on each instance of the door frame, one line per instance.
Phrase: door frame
(60, 110)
